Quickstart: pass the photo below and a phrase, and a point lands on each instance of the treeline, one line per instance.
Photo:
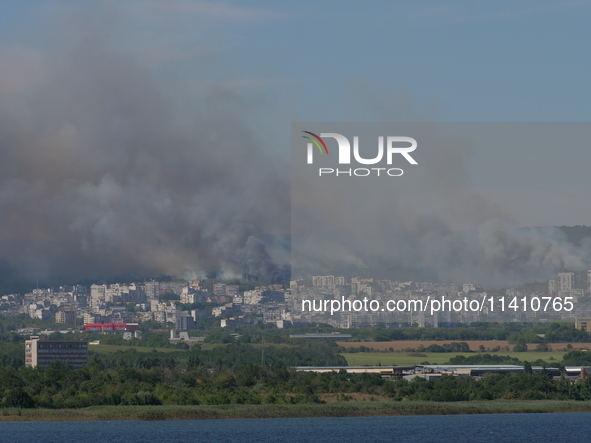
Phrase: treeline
(149, 339)
(12, 354)
(224, 375)
(493, 387)
(230, 356)
(488, 359)
(14, 322)
(512, 332)
(58, 386)
(572, 358)
(445, 347)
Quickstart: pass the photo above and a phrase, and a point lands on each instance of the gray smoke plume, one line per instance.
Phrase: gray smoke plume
(432, 223)
(107, 168)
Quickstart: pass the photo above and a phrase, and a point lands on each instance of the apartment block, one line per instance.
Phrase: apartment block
(566, 281)
(40, 352)
(65, 317)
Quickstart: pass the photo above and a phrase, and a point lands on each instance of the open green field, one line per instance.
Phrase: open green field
(337, 409)
(403, 359)
(103, 349)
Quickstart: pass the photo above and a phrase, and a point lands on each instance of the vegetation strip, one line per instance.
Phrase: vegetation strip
(341, 409)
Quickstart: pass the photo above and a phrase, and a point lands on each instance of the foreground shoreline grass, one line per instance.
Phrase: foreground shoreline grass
(337, 409)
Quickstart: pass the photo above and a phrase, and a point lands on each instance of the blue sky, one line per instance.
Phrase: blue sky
(455, 60)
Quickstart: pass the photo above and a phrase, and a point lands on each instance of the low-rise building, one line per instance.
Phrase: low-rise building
(583, 324)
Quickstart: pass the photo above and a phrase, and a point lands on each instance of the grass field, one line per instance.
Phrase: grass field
(403, 359)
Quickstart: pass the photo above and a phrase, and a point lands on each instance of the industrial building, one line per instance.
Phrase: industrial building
(432, 372)
(40, 352)
(387, 372)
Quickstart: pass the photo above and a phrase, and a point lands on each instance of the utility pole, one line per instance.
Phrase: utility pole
(262, 350)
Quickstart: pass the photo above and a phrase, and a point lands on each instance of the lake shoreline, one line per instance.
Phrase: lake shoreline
(337, 409)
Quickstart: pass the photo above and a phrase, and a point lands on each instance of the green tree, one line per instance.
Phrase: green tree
(543, 347)
(521, 347)
(18, 398)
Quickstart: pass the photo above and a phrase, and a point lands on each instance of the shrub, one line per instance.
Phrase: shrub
(521, 347)
(18, 398)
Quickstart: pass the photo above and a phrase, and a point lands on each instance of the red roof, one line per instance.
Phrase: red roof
(111, 326)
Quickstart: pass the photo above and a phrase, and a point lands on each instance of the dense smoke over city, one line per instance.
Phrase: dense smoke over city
(432, 223)
(108, 169)
(112, 167)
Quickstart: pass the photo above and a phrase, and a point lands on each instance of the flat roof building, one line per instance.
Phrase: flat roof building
(43, 352)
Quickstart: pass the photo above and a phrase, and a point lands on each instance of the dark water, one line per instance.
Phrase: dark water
(435, 428)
